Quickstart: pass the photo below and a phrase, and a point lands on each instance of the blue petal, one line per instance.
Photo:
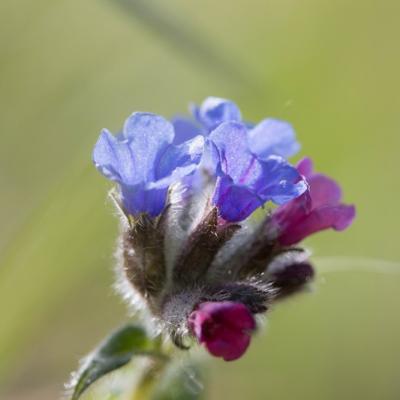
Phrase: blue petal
(114, 159)
(235, 202)
(185, 129)
(138, 199)
(286, 192)
(273, 137)
(229, 143)
(143, 125)
(149, 136)
(144, 162)
(213, 111)
(281, 182)
(271, 180)
(177, 162)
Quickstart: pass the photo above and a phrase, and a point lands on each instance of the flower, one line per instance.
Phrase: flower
(190, 260)
(224, 328)
(145, 162)
(269, 137)
(316, 210)
(245, 182)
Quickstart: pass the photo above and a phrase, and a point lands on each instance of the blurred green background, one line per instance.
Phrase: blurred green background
(69, 68)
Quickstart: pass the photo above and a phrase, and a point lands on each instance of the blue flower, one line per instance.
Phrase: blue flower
(144, 160)
(268, 137)
(246, 181)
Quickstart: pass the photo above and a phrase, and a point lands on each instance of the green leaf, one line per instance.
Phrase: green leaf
(113, 353)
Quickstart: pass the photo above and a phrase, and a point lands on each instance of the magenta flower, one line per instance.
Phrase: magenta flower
(318, 209)
(224, 328)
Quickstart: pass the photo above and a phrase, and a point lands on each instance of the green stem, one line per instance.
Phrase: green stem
(147, 381)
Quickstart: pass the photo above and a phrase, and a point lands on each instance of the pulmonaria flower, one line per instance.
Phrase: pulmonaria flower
(257, 143)
(269, 137)
(145, 162)
(318, 209)
(245, 182)
(198, 267)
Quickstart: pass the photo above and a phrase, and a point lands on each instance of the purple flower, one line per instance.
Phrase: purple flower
(316, 210)
(245, 182)
(145, 162)
(224, 328)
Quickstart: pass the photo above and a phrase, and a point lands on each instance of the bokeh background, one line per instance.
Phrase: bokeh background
(69, 68)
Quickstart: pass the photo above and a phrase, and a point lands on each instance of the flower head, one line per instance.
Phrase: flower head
(224, 328)
(193, 262)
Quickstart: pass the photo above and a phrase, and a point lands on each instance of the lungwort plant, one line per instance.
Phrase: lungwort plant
(191, 259)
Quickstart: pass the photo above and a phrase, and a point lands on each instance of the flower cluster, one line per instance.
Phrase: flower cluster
(191, 255)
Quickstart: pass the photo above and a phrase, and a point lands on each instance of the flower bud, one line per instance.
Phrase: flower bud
(292, 278)
(224, 328)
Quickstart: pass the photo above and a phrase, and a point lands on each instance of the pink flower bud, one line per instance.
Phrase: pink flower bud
(224, 328)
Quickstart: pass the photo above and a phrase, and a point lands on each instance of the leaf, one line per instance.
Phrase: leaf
(113, 353)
